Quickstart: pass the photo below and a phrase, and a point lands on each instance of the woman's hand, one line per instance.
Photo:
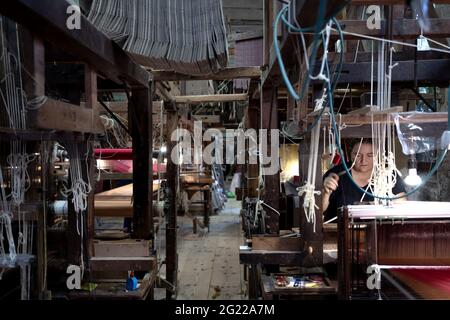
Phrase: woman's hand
(330, 183)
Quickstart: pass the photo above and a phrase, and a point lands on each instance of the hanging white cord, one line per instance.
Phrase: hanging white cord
(111, 125)
(308, 189)
(326, 39)
(388, 41)
(343, 99)
(371, 77)
(354, 61)
(384, 173)
(16, 104)
(357, 154)
(79, 190)
(14, 101)
(434, 41)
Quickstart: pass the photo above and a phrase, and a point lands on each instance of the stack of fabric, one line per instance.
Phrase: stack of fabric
(187, 36)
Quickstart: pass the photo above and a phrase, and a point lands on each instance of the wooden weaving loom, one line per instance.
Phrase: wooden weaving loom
(409, 241)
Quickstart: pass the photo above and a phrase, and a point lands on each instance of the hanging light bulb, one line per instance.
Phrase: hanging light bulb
(421, 12)
(413, 179)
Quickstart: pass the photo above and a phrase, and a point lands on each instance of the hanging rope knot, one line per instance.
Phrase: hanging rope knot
(257, 207)
(20, 238)
(20, 179)
(321, 101)
(322, 77)
(80, 191)
(309, 192)
(309, 202)
(258, 204)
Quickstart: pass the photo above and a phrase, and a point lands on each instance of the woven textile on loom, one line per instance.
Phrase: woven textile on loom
(427, 283)
(187, 36)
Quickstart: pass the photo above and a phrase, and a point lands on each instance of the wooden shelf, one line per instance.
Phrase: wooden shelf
(358, 125)
(361, 119)
(115, 290)
(269, 290)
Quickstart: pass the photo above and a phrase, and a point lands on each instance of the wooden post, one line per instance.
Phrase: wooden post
(90, 88)
(267, 26)
(33, 59)
(313, 241)
(140, 113)
(269, 114)
(344, 255)
(171, 213)
(85, 239)
(252, 172)
(252, 282)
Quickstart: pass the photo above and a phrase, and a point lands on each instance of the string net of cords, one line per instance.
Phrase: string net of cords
(15, 103)
(79, 191)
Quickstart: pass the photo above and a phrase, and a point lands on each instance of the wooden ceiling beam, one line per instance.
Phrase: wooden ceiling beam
(48, 18)
(210, 98)
(225, 74)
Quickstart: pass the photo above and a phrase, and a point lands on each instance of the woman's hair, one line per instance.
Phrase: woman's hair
(356, 141)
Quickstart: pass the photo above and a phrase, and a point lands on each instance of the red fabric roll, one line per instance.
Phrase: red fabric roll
(429, 283)
(114, 154)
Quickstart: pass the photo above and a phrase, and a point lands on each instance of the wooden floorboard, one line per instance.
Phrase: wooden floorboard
(209, 262)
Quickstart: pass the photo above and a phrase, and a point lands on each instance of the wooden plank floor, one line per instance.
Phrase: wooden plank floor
(208, 266)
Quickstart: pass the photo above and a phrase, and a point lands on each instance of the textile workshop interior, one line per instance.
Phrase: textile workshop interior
(224, 150)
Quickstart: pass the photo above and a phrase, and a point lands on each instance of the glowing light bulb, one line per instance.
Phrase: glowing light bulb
(413, 179)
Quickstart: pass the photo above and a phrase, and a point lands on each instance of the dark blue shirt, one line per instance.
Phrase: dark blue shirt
(347, 193)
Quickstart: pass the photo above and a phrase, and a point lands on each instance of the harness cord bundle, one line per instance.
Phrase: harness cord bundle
(111, 126)
(308, 189)
(433, 170)
(79, 190)
(384, 172)
(330, 101)
(16, 103)
(5, 225)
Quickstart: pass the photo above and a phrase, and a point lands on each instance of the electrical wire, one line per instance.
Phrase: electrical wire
(319, 24)
(335, 82)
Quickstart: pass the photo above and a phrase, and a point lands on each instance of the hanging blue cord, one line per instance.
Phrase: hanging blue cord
(280, 60)
(293, 28)
(318, 28)
(311, 59)
(448, 109)
(335, 83)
